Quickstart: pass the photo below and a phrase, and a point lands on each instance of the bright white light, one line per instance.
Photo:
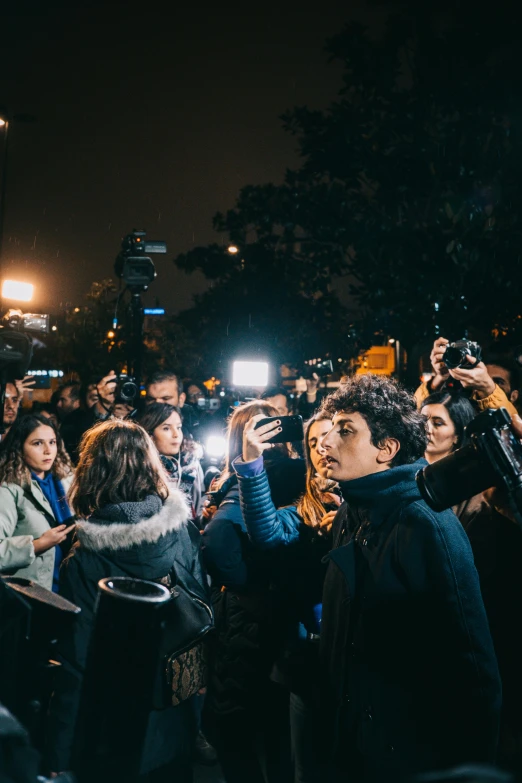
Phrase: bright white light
(216, 446)
(233, 249)
(22, 292)
(250, 374)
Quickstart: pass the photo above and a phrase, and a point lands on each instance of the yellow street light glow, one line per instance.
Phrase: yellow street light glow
(111, 335)
(21, 292)
(233, 249)
(2, 122)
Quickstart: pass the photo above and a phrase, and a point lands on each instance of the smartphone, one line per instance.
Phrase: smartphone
(291, 428)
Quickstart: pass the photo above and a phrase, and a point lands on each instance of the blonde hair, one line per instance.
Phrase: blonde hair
(118, 464)
(236, 425)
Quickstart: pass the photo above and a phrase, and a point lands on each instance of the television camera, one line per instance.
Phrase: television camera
(132, 263)
(492, 458)
(16, 347)
(134, 266)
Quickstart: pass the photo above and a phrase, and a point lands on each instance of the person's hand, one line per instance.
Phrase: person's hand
(440, 371)
(326, 522)
(208, 511)
(254, 441)
(106, 388)
(330, 498)
(24, 385)
(476, 378)
(312, 385)
(51, 538)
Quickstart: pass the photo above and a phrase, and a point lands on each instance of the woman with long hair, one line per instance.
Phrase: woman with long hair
(35, 474)
(448, 414)
(246, 713)
(164, 424)
(298, 538)
(131, 523)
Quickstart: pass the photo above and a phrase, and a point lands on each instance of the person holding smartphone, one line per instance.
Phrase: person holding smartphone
(298, 539)
(35, 474)
(246, 713)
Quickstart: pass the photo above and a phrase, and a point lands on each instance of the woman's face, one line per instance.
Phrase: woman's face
(317, 453)
(39, 450)
(168, 437)
(441, 432)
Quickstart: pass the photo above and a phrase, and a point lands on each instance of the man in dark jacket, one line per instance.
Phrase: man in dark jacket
(410, 665)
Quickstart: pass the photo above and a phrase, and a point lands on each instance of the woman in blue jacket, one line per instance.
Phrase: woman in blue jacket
(296, 539)
(246, 714)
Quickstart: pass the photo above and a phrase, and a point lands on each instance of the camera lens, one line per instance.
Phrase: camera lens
(451, 480)
(128, 391)
(453, 357)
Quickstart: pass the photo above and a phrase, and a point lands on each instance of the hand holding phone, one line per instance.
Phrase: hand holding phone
(262, 432)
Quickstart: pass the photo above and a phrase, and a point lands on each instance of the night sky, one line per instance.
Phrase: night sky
(152, 119)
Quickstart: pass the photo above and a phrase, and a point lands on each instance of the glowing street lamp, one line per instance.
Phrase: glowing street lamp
(19, 292)
(233, 250)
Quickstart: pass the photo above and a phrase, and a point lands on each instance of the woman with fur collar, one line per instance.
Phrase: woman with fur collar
(130, 523)
(35, 474)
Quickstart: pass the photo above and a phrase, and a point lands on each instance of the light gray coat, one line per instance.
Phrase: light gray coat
(25, 514)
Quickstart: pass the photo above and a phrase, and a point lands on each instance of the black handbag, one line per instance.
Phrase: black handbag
(186, 620)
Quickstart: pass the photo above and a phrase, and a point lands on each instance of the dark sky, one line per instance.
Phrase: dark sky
(150, 119)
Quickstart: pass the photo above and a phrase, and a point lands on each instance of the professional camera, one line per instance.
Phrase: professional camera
(126, 389)
(493, 458)
(322, 369)
(133, 265)
(455, 354)
(16, 347)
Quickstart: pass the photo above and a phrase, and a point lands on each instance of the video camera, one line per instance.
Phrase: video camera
(320, 368)
(132, 264)
(455, 354)
(16, 347)
(493, 458)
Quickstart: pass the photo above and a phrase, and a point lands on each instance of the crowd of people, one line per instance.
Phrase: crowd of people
(358, 634)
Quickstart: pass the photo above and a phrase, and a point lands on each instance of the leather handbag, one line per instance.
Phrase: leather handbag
(186, 620)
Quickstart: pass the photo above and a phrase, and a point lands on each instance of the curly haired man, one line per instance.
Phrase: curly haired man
(406, 649)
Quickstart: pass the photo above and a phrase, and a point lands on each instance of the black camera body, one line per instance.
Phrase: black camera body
(322, 369)
(455, 354)
(132, 262)
(493, 458)
(127, 389)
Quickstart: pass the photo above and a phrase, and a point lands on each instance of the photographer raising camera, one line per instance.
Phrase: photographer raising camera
(461, 360)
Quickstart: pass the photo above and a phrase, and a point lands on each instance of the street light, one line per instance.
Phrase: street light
(19, 292)
(233, 250)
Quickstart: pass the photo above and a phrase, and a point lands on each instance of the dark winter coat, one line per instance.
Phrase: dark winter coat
(143, 540)
(250, 615)
(296, 554)
(405, 640)
(497, 549)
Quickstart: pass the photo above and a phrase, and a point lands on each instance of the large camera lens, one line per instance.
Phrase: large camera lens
(128, 391)
(454, 356)
(455, 478)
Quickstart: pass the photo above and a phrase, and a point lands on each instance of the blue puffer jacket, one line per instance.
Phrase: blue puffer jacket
(296, 554)
(251, 611)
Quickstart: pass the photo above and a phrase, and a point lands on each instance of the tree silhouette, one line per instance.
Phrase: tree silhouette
(409, 183)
